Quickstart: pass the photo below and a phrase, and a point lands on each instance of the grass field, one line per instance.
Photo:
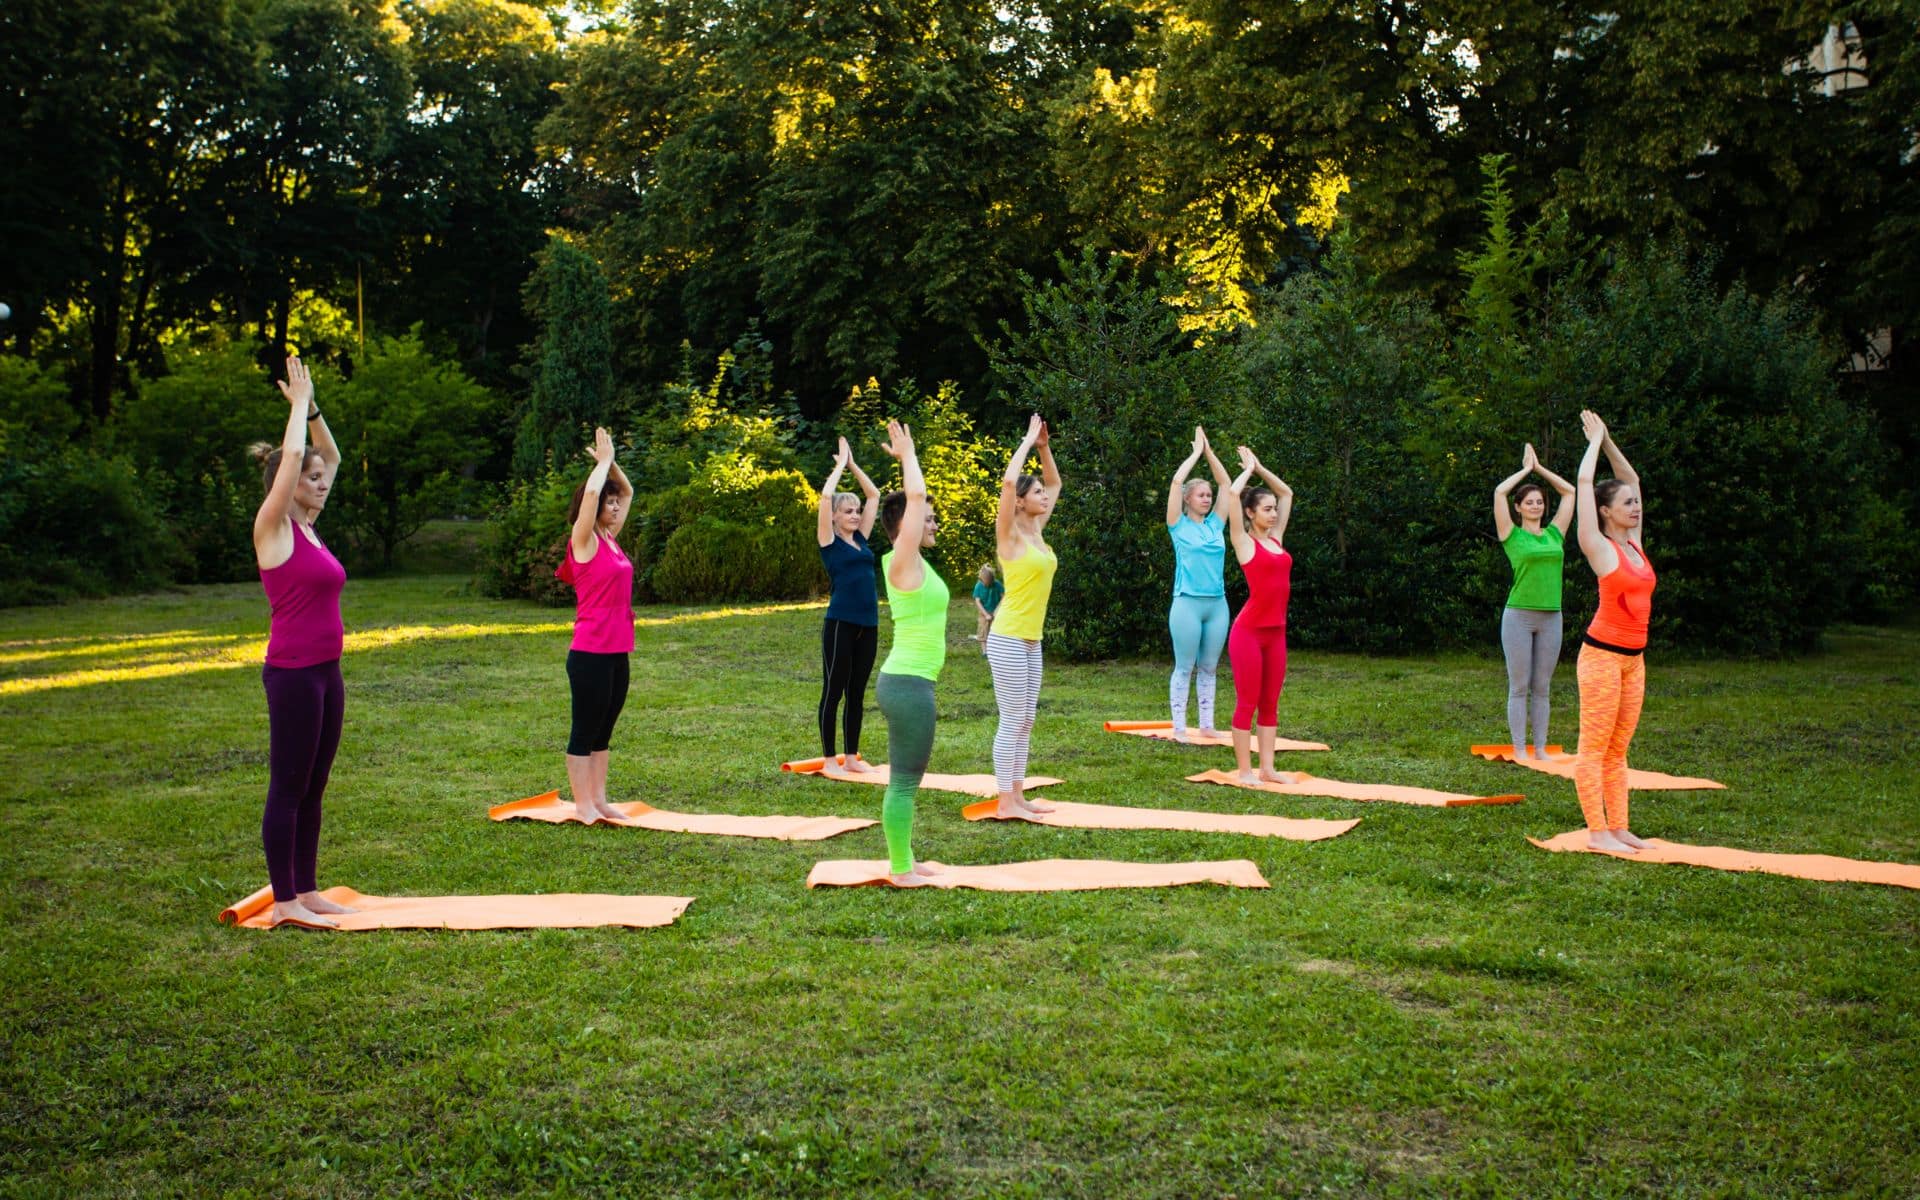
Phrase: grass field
(1425, 1006)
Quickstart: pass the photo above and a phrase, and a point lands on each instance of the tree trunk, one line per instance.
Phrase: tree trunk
(104, 359)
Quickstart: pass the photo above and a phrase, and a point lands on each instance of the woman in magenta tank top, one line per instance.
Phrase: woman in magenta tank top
(1257, 642)
(597, 661)
(306, 698)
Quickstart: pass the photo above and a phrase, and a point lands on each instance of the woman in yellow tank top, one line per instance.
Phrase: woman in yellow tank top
(1013, 647)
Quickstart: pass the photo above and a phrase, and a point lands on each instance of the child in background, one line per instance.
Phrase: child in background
(986, 598)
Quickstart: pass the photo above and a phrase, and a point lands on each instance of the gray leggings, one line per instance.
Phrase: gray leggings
(1531, 639)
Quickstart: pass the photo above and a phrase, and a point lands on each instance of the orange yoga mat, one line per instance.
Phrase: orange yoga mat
(1163, 731)
(1560, 763)
(1048, 875)
(549, 807)
(1311, 786)
(966, 785)
(1114, 816)
(1823, 868)
(561, 910)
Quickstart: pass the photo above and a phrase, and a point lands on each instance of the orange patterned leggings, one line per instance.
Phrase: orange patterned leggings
(1612, 689)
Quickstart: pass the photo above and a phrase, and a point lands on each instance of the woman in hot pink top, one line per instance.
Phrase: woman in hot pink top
(306, 698)
(597, 667)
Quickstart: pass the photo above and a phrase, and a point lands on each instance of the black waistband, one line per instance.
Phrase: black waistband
(1610, 648)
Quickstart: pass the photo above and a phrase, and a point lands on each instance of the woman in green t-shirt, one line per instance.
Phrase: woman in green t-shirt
(1530, 627)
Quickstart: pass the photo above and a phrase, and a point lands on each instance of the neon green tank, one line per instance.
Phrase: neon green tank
(919, 625)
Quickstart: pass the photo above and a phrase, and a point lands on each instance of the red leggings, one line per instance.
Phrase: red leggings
(1259, 658)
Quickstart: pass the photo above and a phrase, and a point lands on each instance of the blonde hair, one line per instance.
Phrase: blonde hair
(989, 571)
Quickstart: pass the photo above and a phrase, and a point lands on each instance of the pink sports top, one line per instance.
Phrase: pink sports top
(304, 594)
(603, 598)
(1269, 584)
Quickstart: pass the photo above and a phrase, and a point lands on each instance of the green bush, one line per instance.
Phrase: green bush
(189, 432)
(525, 539)
(73, 523)
(731, 537)
(410, 428)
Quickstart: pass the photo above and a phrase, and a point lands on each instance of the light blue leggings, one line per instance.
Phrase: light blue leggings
(1199, 626)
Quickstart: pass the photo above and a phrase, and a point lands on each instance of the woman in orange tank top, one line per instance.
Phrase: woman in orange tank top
(1613, 665)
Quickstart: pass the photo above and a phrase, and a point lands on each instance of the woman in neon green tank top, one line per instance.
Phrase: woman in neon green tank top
(1013, 647)
(917, 599)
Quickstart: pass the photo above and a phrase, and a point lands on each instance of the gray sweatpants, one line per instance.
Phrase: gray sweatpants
(1531, 639)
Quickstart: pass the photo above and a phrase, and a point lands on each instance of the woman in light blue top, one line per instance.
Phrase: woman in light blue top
(1199, 619)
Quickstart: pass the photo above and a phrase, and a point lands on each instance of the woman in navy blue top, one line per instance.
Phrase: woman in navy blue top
(852, 630)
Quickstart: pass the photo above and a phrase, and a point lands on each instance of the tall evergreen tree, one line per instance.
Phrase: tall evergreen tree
(572, 363)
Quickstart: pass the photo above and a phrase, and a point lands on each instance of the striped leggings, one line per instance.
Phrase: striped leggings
(1612, 689)
(1016, 664)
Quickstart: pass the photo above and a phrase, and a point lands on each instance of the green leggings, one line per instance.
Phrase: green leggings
(906, 701)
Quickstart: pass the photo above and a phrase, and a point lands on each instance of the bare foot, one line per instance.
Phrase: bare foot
(1180, 735)
(1008, 810)
(1249, 778)
(292, 912)
(908, 879)
(315, 902)
(1604, 840)
(1213, 735)
(1627, 837)
(854, 764)
(1267, 776)
(584, 812)
(927, 869)
(1033, 806)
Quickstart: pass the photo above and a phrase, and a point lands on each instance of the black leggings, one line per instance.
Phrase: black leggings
(599, 693)
(305, 706)
(846, 659)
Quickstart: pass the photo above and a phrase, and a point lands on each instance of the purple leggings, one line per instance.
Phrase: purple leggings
(304, 709)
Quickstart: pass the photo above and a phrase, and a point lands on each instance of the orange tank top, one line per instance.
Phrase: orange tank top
(1626, 601)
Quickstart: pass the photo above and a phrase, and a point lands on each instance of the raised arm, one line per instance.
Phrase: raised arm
(317, 431)
(1601, 555)
(1049, 471)
(1220, 475)
(824, 534)
(1176, 494)
(1283, 497)
(907, 572)
(1502, 511)
(269, 523)
(1624, 470)
(870, 509)
(1230, 510)
(1010, 488)
(589, 515)
(1563, 511)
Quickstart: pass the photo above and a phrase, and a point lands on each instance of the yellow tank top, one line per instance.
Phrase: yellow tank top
(1029, 580)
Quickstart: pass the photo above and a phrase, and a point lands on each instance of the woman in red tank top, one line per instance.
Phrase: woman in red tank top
(306, 698)
(1613, 665)
(1257, 640)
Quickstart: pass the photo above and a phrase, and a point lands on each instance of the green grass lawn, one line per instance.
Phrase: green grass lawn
(1425, 1006)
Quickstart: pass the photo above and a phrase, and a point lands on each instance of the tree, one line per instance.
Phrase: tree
(466, 183)
(572, 367)
(407, 423)
(1103, 359)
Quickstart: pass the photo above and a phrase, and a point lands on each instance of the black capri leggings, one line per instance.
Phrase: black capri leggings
(846, 659)
(599, 693)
